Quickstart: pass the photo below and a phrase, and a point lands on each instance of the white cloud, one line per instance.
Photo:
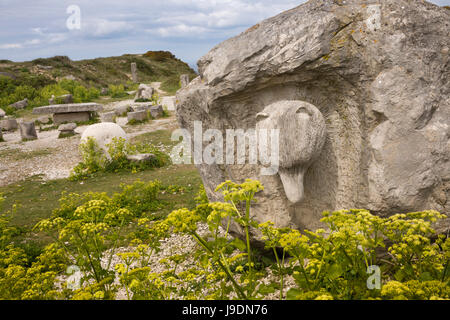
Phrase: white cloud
(56, 37)
(179, 30)
(33, 42)
(11, 46)
(103, 27)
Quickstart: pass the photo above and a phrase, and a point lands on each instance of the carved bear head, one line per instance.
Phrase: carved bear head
(302, 134)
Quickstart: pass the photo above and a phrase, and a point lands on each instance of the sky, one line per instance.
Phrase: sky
(84, 29)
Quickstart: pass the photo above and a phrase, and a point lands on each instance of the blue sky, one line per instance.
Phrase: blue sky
(32, 29)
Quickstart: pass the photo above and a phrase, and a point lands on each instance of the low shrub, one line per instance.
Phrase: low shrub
(117, 91)
(115, 158)
(159, 55)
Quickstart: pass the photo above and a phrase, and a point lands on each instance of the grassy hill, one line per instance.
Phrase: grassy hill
(36, 79)
(153, 66)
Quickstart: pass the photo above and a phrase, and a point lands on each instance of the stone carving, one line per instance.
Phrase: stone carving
(302, 136)
(378, 78)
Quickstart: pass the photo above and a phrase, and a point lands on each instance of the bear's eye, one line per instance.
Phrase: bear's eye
(303, 110)
(261, 116)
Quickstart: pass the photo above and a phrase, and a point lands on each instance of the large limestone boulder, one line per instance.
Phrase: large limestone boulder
(378, 73)
(103, 133)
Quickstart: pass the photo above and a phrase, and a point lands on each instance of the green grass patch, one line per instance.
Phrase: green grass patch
(36, 199)
(156, 137)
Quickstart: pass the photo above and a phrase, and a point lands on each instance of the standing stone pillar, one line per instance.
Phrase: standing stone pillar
(184, 79)
(134, 72)
(28, 131)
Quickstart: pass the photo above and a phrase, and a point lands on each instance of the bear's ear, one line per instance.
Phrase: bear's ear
(261, 116)
(303, 110)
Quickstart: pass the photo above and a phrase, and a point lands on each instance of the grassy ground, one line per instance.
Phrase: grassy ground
(35, 199)
(156, 137)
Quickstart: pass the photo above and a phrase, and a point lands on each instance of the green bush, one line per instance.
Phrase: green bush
(115, 159)
(117, 91)
(38, 94)
(159, 55)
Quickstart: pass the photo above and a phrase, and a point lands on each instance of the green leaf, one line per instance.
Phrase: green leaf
(335, 271)
(265, 289)
(293, 294)
(239, 244)
(426, 276)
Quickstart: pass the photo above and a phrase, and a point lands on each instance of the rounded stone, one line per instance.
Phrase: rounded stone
(103, 133)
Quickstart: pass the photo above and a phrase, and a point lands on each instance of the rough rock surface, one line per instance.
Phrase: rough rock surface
(121, 111)
(137, 116)
(69, 108)
(19, 105)
(103, 133)
(2, 113)
(67, 127)
(143, 107)
(378, 71)
(156, 111)
(168, 102)
(9, 124)
(134, 76)
(144, 92)
(44, 119)
(108, 117)
(28, 131)
(184, 80)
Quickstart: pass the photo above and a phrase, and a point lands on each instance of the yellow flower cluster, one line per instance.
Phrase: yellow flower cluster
(183, 221)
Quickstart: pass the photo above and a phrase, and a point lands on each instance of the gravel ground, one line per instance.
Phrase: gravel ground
(180, 245)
